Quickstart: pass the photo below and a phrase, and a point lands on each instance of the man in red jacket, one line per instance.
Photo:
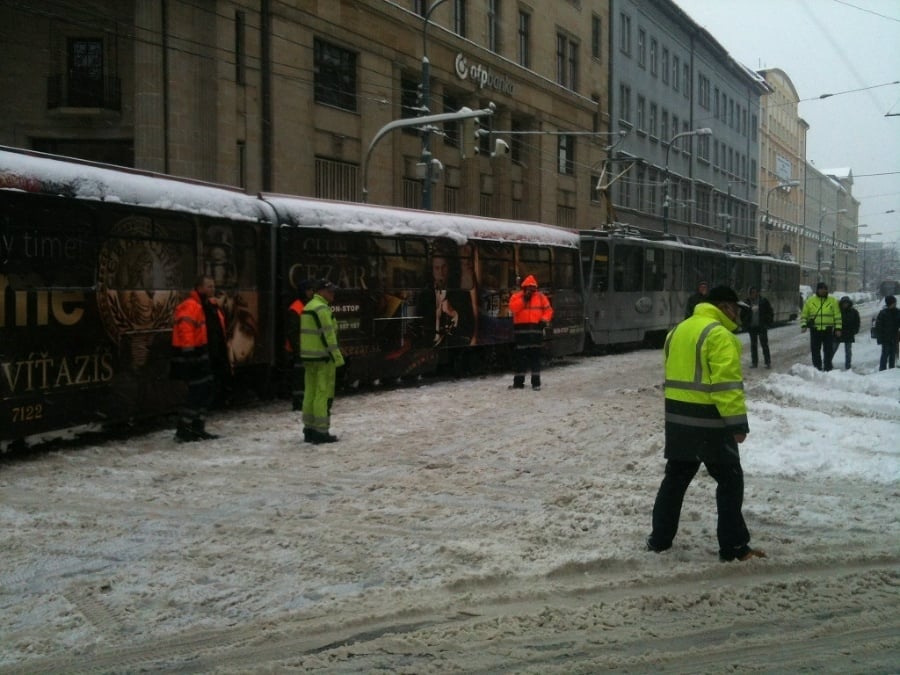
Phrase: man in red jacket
(190, 359)
(531, 312)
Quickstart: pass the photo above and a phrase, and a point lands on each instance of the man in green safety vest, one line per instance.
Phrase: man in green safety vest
(321, 357)
(706, 420)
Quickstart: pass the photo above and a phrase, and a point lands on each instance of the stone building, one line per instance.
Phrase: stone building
(782, 167)
(290, 95)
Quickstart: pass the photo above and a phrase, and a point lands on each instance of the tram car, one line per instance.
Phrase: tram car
(94, 259)
(637, 284)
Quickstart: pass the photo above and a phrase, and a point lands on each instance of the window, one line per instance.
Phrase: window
(240, 47)
(459, 17)
(624, 103)
(566, 154)
(703, 147)
(596, 37)
(493, 25)
(625, 33)
(241, 157)
(410, 102)
(337, 180)
(335, 76)
(592, 188)
(524, 39)
(676, 73)
(642, 48)
(452, 128)
(566, 62)
(686, 80)
(85, 73)
(517, 146)
(653, 119)
(703, 91)
(420, 7)
(665, 65)
(654, 49)
(640, 119)
(664, 126)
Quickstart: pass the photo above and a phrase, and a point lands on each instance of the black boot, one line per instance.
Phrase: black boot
(536, 382)
(518, 382)
(198, 427)
(184, 433)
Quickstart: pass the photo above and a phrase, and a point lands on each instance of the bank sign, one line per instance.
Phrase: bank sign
(481, 75)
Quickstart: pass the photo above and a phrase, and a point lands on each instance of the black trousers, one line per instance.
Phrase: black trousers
(821, 341)
(731, 530)
(759, 337)
(528, 357)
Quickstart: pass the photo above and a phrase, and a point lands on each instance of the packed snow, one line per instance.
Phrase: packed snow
(461, 527)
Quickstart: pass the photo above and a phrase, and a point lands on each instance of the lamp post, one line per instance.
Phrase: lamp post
(426, 103)
(819, 251)
(785, 185)
(705, 131)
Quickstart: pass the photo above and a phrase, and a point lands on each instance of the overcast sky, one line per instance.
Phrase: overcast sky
(829, 47)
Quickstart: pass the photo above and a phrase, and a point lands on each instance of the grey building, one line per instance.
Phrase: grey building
(668, 78)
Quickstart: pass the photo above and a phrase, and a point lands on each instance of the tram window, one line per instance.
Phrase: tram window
(601, 267)
(674, 269)
(564, 265)
(628, 268)
(47, 247)
(654, 269)
(535, 261)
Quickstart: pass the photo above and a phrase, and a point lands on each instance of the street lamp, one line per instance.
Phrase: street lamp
(819, 252)
(705, 131)
(785, 185)
(426, 102)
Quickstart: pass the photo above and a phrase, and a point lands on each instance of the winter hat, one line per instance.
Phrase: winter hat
(846, 299)
(530, 281)
(324, 284)
(724, 294)
(821, 285)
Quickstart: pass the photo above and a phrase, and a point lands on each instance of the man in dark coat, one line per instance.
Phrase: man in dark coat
(887, 332)
(756, 317)
(849, 328)
(697, 297)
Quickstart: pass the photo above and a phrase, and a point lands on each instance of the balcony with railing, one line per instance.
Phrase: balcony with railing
(81, 94)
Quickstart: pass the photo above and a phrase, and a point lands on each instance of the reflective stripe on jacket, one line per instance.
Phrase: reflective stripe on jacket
(527, 316)
(825, 311)
(703, 372)
(318, 333)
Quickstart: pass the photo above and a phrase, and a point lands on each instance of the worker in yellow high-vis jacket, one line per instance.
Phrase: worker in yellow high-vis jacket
(321, 358)
(706, 420)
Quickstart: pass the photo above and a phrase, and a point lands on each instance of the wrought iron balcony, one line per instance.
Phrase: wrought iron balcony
(80, 92)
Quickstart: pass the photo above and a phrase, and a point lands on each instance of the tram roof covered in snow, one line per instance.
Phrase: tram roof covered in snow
(385, 221)
(76, 179)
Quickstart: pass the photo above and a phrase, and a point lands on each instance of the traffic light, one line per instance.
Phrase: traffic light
(469, 137)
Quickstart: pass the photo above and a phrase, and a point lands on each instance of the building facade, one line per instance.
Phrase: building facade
(291, 95)
(782, 167)
(690, 115)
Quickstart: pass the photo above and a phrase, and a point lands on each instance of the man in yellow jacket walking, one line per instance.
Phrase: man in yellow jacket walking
(706, 420)
(321, 358)
(821, 315)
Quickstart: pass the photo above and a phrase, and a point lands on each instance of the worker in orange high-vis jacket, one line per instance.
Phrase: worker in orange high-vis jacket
(531, 312)
(190, 360)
